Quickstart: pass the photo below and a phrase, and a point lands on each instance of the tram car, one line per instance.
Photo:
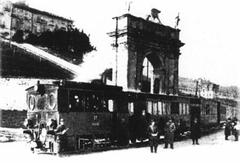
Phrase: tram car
(71, 116)
(143, 107)
(87, 111)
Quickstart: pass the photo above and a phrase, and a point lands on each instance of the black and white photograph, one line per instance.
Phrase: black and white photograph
(119, 81)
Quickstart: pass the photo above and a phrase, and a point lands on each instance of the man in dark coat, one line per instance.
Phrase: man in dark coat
(195, 131)
(228, 128)
(153, 136)
(61, 136)
(169, 133)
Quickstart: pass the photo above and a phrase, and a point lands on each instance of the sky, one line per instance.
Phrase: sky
(209, 29)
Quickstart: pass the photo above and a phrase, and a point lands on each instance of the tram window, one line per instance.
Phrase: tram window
(168, 108)
(184, 111)
(212, 109)
(183, 108)
(52, 101)
(42, 103)
(180, 109)
(155, 108)
(207, 109)
(87, 103)
(63, 100)
(96, 103)
(164, 108)
(110, 105)
(76, 102)
(149, 107)
(175, 108)
(202, 111)
(130, 108)
(187, 108)
(223, 110)
(104, 106)
(215, 109)
(160, 111)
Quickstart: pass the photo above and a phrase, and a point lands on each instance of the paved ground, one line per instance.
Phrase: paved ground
(212, 148)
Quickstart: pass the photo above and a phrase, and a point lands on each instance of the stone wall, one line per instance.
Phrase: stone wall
(12, 118)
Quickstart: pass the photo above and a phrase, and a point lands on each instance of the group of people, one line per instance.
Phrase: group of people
(232, 127)
(43, 134)
(169, 131)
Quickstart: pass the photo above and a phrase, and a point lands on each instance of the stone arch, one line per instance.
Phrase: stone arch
(156, 59)
(138, 39)
(154, 81)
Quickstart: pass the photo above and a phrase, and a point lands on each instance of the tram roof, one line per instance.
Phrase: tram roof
(86, 86)
(80, 85)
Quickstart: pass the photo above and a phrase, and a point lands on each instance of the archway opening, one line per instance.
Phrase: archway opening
(153, 74)
(147, 76)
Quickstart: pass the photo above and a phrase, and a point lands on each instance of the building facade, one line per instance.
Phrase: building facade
(18, 16)
(207, 89)
(199, 87)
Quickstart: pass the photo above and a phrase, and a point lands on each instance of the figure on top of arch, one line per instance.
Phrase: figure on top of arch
(154, 15)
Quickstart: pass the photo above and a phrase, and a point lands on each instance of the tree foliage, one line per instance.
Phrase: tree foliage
(71, 44)
(18, 36)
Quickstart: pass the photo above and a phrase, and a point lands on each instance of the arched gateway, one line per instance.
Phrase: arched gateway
(142, 44)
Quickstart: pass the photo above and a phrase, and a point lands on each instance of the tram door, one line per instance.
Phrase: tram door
(195, 112)
(218, 113)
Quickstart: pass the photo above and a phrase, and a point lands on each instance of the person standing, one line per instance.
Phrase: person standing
(153, 136)
(61, 136)
(195, 131)
(228, 128)
(169, 133)
(236, 128)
